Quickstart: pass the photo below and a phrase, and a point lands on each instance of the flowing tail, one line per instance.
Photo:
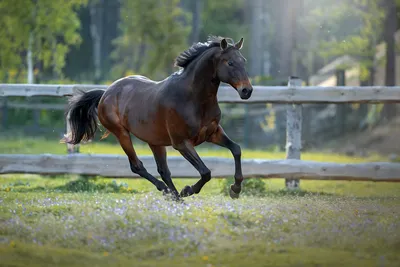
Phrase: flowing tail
(82, 116)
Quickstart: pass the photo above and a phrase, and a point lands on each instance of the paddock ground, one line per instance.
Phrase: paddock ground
(53, 221)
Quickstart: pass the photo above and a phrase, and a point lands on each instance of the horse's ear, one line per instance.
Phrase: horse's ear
(239, 44)
(224, 44)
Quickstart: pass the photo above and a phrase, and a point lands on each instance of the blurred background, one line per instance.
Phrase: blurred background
(324, 42)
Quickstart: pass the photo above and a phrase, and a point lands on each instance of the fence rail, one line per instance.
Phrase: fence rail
(292, 168)
(261, 94)
(117, 166)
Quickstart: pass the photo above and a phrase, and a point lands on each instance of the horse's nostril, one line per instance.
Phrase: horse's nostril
(244, 91)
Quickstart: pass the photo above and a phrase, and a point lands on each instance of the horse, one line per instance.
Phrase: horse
(181, 111)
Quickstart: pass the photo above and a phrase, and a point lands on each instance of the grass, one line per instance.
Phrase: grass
(67, 221)
(48, 227)
(41, 145)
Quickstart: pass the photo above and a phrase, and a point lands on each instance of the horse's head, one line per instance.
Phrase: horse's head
(231, 68)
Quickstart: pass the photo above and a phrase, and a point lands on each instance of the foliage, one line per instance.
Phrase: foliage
(86, 185)
(251, 186)
(153, 34)
(225, 18)
(350, 27)
(48, 27)
(79, 185)
(229, 23)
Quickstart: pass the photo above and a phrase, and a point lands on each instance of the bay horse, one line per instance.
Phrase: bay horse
(181, 111)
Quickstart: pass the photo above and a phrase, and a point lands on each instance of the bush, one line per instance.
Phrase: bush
(250, 186)
(88, 185)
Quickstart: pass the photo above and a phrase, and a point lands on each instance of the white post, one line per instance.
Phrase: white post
(29, 59)
(293, 132)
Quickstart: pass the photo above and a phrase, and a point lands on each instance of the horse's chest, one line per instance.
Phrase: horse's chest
(205, 132)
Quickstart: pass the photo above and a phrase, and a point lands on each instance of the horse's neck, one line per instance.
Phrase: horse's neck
(203, 82)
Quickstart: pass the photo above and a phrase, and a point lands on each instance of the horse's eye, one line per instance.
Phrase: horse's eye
(230, 63)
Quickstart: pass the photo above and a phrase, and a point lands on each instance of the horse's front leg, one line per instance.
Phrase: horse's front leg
(189, 153)
(220, 138)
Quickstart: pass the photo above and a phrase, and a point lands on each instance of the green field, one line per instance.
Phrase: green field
(69, 221)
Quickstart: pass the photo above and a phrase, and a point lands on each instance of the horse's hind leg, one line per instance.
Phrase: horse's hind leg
(108, 117)
(137, 167)
(160, 156)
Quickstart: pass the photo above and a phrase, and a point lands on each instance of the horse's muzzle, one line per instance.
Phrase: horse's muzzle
(245, 92)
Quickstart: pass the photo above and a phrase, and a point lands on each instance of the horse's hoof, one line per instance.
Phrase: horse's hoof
(187, 191)
(232, 193)
(170, 195)
(166, 192)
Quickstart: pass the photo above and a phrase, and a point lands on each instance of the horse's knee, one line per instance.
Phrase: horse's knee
(206, 175)
(236, 150)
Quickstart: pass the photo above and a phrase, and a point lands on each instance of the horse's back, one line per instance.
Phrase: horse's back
(133, 82)
(136, 102)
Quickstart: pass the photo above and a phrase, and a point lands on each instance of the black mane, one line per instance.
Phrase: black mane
(187, 56)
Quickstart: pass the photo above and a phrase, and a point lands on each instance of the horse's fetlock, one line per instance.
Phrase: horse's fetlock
(238, 179)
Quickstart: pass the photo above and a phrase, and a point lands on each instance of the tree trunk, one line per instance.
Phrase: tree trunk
(389, 110)
(140, 56)
(197, 8)
(256, 38)
(296, 11)
(286, 39)
(96, 30)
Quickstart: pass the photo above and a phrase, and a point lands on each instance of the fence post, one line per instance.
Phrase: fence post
(293, 132)
(71, 149)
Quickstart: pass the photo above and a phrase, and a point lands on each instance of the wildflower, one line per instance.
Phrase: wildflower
(105, 253)
(12, 244)
(89, 236)
(205, 258)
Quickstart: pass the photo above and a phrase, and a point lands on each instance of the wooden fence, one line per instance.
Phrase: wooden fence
(292, 168)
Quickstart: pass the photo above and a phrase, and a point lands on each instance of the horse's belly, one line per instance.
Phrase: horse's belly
(152, 136)
(149, 127)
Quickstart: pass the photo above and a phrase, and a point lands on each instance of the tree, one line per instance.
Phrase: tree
(355, 27)
(226, 18)
(152, 36)
(196, 8)
(96, 9)
(390, 28)
(44, 28)
(350, 27)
